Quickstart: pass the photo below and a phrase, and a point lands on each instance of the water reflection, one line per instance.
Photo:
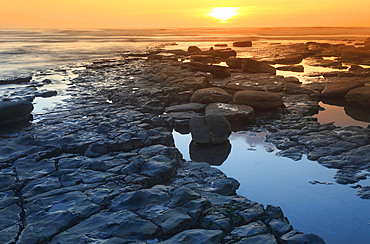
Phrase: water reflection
(343, 114)
(212, 154)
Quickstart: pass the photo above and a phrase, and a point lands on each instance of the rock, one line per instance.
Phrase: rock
(201, 58)
(259, 100)
(220, 45)
(46, 93)
(253, 213)
(291, 88)
(252, 229)
(259, 239)
(193, 49)
(16, 81)
(294, 237)
(250, 65)
(9, 216)
(280, 227)
(293, 68)
(196, 107)
(11, 112)
(364, 192)
(210, 129)
(123, 223)
(173, 222)
(338, 90)
(9, 235)
(233, 113)
(242, 44)
(211, 95)
(291, 59)
(183, 195)
(216, 70)
(212, 154)
(359, 95)
(198, 236)
(234, 63)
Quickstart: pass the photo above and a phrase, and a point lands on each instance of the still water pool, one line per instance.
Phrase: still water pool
(305, 190)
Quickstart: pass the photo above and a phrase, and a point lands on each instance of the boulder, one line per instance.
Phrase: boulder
(292, 59)
(216, 70)
(337, 90)
(11, 112)
(250, 65)
(242, 44)
(259, 100)
(211, 95)
(234, 63)
(196, 107)
(193, 49)
(298, 237)
(359, 95)
(210, 129)
(293, 68)
(234, 113)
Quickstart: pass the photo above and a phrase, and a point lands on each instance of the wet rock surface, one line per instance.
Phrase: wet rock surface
(103, 167)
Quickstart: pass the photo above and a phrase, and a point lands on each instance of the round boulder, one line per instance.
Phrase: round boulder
(337, 90)
(211, 95)
(11, 112)
(359, 95)
(259, 100)
(210, 129)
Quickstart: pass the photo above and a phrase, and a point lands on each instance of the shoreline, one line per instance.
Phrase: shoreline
(109, 159)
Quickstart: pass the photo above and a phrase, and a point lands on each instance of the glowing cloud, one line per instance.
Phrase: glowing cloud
(223, 13)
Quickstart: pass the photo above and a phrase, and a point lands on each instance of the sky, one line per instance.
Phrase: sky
(179, 13)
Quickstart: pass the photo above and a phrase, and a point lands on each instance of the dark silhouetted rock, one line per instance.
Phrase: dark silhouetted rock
(234, 113)
(210, 129)
(259, 100)
(359, 95)
(292, 59)
(11, 112)
(16, 81)
(293, 68)
(193, 49)
(211, 95)
(291, 88)
(242, 44)
(338, 90)
(250, 65)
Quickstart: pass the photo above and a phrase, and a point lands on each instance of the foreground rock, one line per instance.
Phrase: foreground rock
(210, 129)
(337, 90)
(11, 112)
(259, 100)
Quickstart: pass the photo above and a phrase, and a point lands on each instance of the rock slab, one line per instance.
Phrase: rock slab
(259, 100)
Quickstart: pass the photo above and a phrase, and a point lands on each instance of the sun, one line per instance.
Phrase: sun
(223, 13)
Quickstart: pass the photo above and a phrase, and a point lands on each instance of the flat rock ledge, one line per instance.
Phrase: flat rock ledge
(92, 171)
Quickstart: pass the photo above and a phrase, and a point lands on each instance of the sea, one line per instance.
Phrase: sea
(326, 208)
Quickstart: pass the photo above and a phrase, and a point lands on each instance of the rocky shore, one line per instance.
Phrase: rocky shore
(103, 168)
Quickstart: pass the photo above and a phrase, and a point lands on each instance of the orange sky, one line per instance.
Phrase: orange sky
(179, 13)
